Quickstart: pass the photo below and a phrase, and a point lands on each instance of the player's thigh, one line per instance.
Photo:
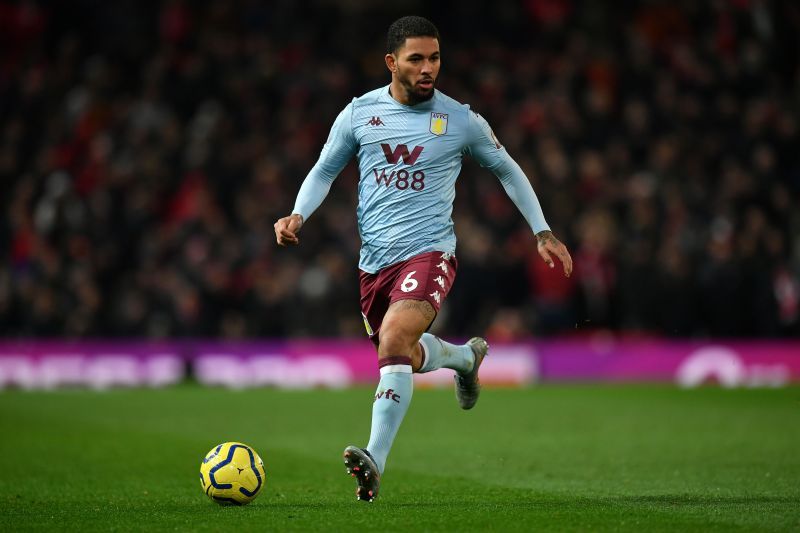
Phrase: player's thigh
(404, 323)
(410, 317)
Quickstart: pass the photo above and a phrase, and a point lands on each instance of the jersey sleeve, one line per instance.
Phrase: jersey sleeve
(338, 150)
(487, 150)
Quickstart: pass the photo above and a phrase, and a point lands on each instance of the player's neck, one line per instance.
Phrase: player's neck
(399, 94)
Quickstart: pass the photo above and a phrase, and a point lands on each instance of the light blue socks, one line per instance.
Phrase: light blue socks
(396, 387)
(440, 354)
(392, 399)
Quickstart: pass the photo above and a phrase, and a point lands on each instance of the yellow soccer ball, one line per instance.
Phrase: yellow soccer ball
(232, 474)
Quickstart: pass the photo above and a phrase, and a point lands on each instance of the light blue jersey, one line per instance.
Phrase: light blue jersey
(409, 158)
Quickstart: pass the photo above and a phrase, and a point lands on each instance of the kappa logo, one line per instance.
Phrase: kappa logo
(375, 121)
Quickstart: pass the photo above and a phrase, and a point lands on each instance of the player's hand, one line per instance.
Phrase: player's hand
(286, 230)
(547, 244)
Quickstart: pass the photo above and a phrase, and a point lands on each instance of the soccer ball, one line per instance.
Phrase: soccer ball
(232, 474)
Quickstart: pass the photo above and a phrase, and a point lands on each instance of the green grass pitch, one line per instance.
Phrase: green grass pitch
(549, 458)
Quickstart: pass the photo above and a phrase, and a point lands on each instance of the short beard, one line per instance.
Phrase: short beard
(414, 96)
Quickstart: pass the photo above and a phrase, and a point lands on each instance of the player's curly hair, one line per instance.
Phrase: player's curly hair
(405, 27)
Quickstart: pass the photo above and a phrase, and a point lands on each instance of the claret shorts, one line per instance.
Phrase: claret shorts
(428, 276)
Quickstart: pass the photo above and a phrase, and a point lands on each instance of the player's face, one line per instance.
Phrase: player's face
(416, 67)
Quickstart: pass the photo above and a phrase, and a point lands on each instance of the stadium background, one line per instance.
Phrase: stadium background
(146, 149)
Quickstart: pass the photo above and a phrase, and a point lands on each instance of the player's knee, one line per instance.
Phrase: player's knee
(396, 340)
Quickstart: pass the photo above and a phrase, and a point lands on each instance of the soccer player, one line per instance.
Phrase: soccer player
(409, 139)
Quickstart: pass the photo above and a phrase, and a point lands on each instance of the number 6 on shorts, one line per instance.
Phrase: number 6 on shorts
(409, 284)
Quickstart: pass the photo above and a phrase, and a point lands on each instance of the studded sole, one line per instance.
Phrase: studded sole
(360, 466)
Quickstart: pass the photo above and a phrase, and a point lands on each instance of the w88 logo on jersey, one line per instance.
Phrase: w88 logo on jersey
(402, 179)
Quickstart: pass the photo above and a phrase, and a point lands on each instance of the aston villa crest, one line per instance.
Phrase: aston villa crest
(438, 123)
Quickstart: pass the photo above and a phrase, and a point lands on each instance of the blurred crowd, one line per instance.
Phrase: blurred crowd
(146, 149)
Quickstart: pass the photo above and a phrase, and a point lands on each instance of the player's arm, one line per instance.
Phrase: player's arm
(338, 150)
(486, 149)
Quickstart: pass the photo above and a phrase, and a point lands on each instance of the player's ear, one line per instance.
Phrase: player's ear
(391, 62)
